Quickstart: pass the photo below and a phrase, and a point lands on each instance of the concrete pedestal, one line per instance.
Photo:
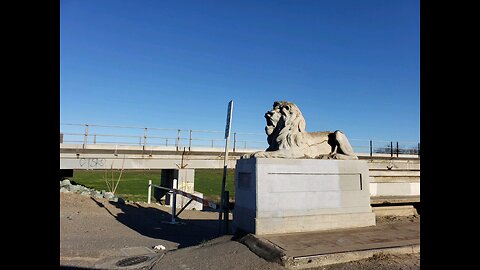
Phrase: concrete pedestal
(301, 195)
(185, 181)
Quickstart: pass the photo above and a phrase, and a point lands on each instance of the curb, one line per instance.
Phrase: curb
(264, 248)
(343, 257)
(270, 252)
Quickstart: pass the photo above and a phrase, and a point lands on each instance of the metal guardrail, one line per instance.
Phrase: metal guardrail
(141, 136)
(87, 134)
(174, 192)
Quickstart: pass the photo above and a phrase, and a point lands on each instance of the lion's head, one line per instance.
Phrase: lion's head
(285, 126)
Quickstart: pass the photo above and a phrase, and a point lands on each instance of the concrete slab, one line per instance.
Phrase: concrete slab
(312, 249)
(396, 210)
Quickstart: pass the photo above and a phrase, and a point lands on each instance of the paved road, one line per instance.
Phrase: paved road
(98, 234)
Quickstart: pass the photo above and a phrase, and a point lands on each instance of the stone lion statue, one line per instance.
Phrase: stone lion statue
(288, 138)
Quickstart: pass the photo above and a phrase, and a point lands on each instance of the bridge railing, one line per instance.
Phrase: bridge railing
(87, 134)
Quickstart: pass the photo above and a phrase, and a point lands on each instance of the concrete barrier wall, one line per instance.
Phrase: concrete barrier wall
(389, 176)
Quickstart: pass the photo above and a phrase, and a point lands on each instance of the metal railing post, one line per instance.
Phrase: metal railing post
(61, 137)
(391, 149)
(234, 141)
(95, 139)
(371, 149)
(190, 141)
(85, 140)
(178, 139)
(174, 200)
(397, 149)
(149, 191)
(144, 138)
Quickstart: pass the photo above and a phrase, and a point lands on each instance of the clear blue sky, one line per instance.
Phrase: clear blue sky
(348, 65)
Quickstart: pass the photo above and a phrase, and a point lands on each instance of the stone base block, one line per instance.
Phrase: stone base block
(313, 223)
(300, 195)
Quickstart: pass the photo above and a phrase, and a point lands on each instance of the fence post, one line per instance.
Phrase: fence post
(418, 150)
(144, 138)
(371, 149)
(178, 139)
(190, 141)
(149, 191)
(397, 149)
(391, 149)
(61, 137)
(94, 138)
(234, 141)
(85, 140)
(174, 200)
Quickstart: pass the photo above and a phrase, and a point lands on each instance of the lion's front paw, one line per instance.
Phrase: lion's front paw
(246, 156)
(258, 154)
(252, 155)
(333, 156)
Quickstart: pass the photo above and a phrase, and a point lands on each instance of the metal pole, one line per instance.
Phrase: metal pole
(225, 164)
(225, 211)
(95, 139)
(418, 150)
(144, 138)
(397, 149)
(391, 149)
(190, 142)
(371, 149)
(234, 141)
(86, 136)
(174, 200)
(149, 191)
(178, 139)
(61, 137)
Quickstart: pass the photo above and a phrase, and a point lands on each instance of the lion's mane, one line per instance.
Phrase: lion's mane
(289, 132)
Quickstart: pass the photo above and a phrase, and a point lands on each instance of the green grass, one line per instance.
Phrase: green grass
(209, 182)
(133, 184)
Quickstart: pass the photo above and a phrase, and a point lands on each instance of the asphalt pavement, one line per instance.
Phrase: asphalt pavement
(98, 234)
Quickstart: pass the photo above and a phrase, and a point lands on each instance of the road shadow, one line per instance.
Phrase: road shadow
(155, 223)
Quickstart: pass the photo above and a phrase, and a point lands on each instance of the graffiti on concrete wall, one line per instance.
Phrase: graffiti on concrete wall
(92, 162)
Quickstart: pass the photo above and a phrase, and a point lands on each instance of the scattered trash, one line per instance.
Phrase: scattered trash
(159, 247)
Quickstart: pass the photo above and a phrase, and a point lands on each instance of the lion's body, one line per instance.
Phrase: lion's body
(288, 138)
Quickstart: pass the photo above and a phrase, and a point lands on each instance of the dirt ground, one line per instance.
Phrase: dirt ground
(93, 230)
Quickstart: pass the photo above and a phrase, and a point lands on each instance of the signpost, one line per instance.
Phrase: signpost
(224, 199)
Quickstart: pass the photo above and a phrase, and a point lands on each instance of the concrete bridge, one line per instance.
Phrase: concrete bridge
(395, 178)
(395, 174)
